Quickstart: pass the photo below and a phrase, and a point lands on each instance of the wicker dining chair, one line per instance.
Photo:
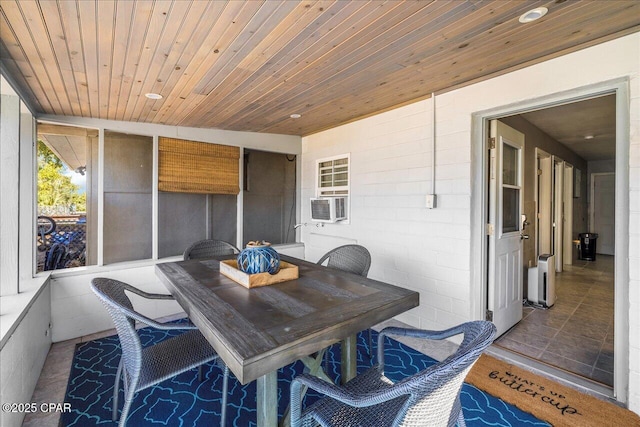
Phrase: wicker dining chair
(354, 259)
(209, 248)
(429, 398)
(144, 367)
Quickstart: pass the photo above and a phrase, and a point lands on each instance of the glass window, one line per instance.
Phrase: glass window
(509, 165)
(64, 238)
(510, 188)
(333, 176)
(510, 209)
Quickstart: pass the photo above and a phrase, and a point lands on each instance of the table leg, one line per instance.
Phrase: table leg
(267, 400)
(348, 367)
(314, 367)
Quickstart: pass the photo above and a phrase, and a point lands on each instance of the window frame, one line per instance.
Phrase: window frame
(343, 190)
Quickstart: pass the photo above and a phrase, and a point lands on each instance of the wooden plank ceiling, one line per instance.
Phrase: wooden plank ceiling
(249, 65)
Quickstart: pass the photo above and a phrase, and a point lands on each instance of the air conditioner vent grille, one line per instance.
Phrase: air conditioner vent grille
(321, 211)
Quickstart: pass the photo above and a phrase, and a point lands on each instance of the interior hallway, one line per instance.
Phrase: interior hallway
(576, 334)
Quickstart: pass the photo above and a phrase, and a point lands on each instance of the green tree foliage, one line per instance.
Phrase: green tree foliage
(55, 189)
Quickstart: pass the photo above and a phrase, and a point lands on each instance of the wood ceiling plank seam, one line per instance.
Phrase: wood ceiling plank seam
(334, 37)
(245, 71)
(18, 22)
(139, 29)
(43, 42)
(351, 69)
(245, 93)
(263, 21)
(492, 45)
(177, 10)
(237, 20)
(231, 55)
(240, 35)
(223, 94)
(158, 39)
(414, 95)
(124, 25)
(499, 43)
(332, 86)
(390, 38)
(499, 57)
(354, 85)
(70, 18)
(153, 19)
(196, 51)
(106, 12)
(199, 57)
(314, 129)
(17, 64)
(52, 19)
(203, 60)
(181, 54)
(87, 24)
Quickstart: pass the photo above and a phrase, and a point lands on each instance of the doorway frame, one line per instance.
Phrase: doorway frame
(567, 227)
(537, 188)
(479, 216)
(591, 207)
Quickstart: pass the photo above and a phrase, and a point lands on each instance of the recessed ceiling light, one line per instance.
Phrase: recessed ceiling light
(588, 137)
(533, 14)
(295, 116)
(153, 95)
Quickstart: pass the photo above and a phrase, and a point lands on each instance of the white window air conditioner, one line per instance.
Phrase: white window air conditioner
(328, 209)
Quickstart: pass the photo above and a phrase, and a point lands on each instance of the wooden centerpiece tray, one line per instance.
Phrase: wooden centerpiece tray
(230, 269)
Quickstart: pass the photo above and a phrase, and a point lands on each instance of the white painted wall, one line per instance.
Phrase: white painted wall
(24, 351)
(430, 251)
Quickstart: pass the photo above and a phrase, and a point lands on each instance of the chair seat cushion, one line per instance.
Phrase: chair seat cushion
(330, 412)
(174, 355)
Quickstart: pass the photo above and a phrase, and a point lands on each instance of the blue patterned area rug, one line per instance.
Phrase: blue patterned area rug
(185, 401)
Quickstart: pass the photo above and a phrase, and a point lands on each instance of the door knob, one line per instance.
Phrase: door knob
(524, 237)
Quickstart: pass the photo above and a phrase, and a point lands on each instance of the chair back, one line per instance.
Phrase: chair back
(209, 248)
(354, 259)
(435, 392)
(112, 294)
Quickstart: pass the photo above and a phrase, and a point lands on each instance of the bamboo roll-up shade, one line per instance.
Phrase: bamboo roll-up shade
(197, 167)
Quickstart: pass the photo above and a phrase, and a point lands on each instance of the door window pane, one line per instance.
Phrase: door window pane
(509, 165)
(510, 209)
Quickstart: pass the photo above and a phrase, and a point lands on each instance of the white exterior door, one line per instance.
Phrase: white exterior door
(604, 212)
(505, 269)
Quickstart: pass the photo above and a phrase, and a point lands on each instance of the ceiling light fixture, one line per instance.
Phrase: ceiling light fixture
(533, 14)
(153, 95)
(295, 116)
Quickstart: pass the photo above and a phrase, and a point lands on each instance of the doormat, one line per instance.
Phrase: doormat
(546, 399)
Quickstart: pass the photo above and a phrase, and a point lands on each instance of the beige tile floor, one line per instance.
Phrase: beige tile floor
(576, 334)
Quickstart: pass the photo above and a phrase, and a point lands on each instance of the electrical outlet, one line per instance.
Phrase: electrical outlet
(431, 201)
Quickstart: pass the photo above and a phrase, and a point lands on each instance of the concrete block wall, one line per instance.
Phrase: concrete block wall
(77, 312)
(426, 250)
(430, 251)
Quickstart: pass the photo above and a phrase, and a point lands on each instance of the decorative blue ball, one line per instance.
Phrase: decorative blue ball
(259, 259)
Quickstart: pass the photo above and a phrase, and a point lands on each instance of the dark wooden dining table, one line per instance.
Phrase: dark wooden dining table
(257, 331)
